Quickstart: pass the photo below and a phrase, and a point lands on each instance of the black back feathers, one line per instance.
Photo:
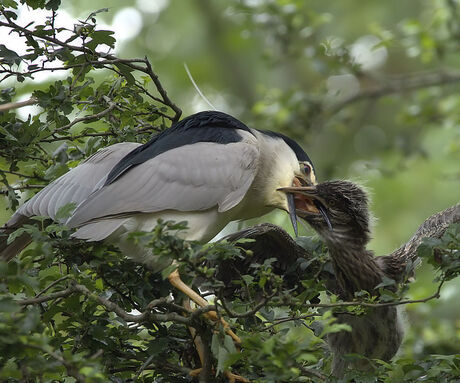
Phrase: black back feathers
(209, 126)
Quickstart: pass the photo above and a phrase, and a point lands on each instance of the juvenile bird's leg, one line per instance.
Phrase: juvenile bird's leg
(176, 281)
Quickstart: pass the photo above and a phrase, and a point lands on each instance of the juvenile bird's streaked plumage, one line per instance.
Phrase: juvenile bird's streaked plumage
(377, 333)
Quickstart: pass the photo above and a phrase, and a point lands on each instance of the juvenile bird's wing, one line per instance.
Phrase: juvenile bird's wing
(186, 178)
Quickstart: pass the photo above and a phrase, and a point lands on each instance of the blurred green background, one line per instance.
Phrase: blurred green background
(295, 67)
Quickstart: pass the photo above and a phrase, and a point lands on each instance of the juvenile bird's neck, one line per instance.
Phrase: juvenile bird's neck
(355, 269)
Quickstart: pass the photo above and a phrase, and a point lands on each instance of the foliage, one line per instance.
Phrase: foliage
(83, 310)
(75, 311)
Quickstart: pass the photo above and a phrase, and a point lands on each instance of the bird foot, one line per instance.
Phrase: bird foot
(194, 373)
(176, 281)
(214, 317)
(232, 378)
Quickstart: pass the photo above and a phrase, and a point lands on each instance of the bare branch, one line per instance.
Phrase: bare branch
(102, 60)
(19, 104)
(400, 84)
(257, 307)
(54, 283)
(91, 117)
(46, 298)
(146, 315)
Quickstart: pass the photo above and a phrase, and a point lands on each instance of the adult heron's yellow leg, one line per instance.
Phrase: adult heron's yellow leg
(199, 346)
(174, 279)
(232, 378)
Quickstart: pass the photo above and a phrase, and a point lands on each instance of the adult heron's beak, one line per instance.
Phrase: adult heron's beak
(292, 212)
(304, 200)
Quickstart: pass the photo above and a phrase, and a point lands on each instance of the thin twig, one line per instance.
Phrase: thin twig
(54, 283)
(257, 307)
(288, 319)
(316, 374)
(46, 298)
(102, 59)
(23, 175)
(146, 315)
(91, 117)
(25, 187)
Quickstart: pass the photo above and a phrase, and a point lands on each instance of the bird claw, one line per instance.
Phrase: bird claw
(194, 373)
(232, 378)
(214, 317)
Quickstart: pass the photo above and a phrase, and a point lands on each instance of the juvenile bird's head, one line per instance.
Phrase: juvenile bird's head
(337, 210)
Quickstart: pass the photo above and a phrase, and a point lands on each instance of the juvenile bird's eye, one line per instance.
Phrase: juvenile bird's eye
(307, 169)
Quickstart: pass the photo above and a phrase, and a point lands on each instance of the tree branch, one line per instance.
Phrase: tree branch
(19, 104)
(146, 315)
(400, 84)
(45, 298)
(102, 59)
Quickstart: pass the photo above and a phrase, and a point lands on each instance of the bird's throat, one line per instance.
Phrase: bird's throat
(301, 201)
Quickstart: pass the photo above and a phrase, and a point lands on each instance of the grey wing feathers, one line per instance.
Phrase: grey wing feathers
(74, 186)
(77, 184)
(187, 178)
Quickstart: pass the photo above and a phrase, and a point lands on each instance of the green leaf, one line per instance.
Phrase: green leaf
(9, 4)
(8, 305)
(55, 171)
(65, 211)
(229, 344)
(53, 4)
(9, 57)
(385, 282)
(16, 234)
(222, 357)
(126, 72)
(92, 14)
(101, 37)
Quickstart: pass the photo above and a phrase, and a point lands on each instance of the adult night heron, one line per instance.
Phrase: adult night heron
(209, 169)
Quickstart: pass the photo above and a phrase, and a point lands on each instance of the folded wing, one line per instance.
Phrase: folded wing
(187, 178)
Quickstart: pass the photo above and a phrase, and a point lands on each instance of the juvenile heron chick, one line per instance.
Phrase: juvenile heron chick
(338, 211)
(342, 219)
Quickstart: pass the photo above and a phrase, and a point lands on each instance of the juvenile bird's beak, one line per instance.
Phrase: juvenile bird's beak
(304, 200)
